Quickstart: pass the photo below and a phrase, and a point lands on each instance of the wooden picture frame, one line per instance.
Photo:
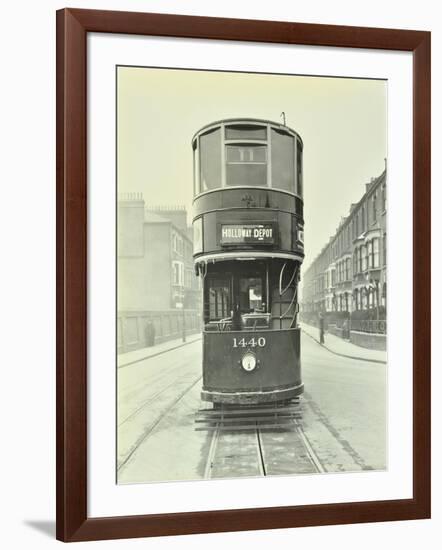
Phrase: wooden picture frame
(73, 523)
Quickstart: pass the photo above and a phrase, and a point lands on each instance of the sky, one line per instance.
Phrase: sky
(342, 123)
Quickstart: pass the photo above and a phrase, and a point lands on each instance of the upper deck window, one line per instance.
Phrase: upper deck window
(299, 170)
(246, 153)
(210, 160)
(246, 165)
(283, 161)
(246, 131)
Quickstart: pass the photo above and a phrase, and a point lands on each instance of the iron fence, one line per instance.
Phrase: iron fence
(372, 326)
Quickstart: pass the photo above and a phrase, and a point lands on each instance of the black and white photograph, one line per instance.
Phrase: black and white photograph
(251, 275)
(221, 249)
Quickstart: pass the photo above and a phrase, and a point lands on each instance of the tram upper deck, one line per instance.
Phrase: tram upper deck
(247, 153)
(247, 191)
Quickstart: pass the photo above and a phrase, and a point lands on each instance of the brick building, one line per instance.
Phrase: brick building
(156, 279)
(347, 281)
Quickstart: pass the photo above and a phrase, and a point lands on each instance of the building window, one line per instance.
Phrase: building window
(363, 219)
(355, 261)
(384, 198)
(384, 294)
(364, 298)
(178, 273)
(347, 269)
(374, 207)
(384, 244)
(177, 244)
(189, 274)
(375, 253)
(369, 254)
(364, 258)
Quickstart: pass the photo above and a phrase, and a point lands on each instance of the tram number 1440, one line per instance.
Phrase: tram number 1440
(252, 343)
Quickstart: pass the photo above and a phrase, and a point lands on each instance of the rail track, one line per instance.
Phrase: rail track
(155, 419)
(257, 442)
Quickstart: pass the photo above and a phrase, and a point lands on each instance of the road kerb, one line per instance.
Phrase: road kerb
(343, 354)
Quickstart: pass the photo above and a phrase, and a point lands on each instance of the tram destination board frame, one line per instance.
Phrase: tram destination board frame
(73, 27)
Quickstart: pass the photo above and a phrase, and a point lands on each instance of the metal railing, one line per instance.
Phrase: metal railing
(372, 326)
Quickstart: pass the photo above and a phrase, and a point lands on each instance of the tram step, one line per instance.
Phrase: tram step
(253, 426)
(248, 417)
(216, 413)
(239, 420)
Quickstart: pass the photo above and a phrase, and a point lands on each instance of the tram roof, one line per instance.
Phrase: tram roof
(246, 121)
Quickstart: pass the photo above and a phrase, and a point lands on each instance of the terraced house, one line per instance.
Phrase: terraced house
(347, 281)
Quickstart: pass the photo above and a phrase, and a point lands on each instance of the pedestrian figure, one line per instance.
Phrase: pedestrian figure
(321, 328)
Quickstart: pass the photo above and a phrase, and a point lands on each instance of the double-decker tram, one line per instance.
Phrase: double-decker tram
(248, 249)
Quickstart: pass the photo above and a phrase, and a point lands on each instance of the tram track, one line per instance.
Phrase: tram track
(260, 451)
(128, 394)
(158, 418)
(151, 399)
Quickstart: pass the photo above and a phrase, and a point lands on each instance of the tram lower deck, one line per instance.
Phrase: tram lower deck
(251, 343)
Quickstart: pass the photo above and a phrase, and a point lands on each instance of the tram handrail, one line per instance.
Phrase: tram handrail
(282, 292)
(295, 293)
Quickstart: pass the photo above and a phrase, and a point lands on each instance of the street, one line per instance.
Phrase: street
(342, 422)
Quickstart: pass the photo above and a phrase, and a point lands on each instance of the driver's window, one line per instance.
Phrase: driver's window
(250, 295)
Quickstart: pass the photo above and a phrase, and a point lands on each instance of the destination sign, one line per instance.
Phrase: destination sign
(247, 234)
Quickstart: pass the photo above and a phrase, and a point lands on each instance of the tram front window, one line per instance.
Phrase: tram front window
(246, 165)
(250, 295)
(235, 302)
(252, 306)
(219, 302)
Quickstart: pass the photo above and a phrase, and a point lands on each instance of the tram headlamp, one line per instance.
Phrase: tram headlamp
(248, 361)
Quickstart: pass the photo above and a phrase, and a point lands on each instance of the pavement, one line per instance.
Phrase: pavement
(344, 348)
(131, 357)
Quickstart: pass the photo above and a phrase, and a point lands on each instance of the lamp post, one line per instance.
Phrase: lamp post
(184, 316)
